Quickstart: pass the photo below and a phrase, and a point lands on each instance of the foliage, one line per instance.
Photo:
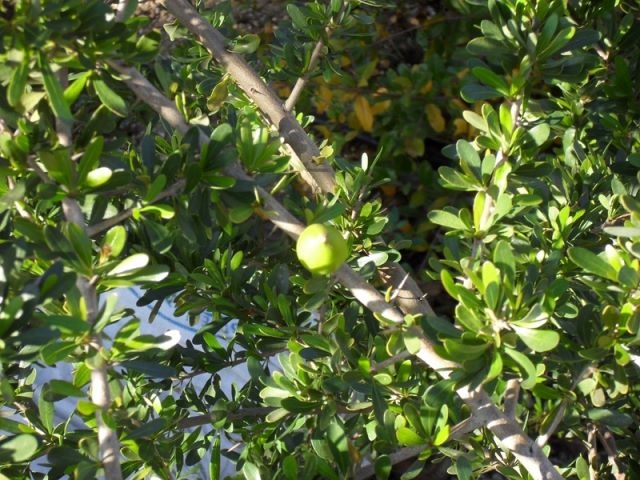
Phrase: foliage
(533, 232)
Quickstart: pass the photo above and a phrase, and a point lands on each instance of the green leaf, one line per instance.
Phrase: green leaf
(148, 430)
(592, 263)
(338, 444)
(504, 259)
(45, 408)
(527, 369)
(81, 244)
(468, 319)
(18, 449)
(109, 98)
(455, 180)
(54, 352)
(130, 265)
(627, 232)
(612, 418)
(73, 91)
(538, 340)
(151, 369)
(251, 471)
(114, 241)
(473, 92)
(298, 18)
(461, 351)
(491, 281)
(245, 44)
(464, 469)
(290, 467)
(90, 158)
(158, 184)
(59, 166)
(18, 82)
(54, 91)
(98, 177)
(539, 134)
(491, 79)
(412, 341)
(66, 389)
(382, 467)
(408, 437)
(447, 219)
(469, 159)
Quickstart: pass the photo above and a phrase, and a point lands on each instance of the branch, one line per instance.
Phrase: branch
(108, 443)
(543, 438)
(459, 430)
(260, 93)
(608, 442)
(207, 419)
(320, 177)
(511, 398)
(506, 430)
(120, 217)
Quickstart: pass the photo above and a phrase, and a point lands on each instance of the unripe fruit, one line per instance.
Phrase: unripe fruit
(321, 249)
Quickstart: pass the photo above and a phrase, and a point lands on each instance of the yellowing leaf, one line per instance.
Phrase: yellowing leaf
(380, 107)
(460, 127)
(364, 113)
(435, 118)
(414, 146)
(427, 87)
(218, 96)
(323, 100)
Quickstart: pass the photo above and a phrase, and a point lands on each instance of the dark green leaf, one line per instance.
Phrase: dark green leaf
(592, 263)
(612, 418)
(54, 91)
(538, 340)
(18, 449)
(18, 82)
(447, 219)
(109, 98)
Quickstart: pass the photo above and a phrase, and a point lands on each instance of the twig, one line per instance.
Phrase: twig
(543, 438)
(609, 444)
(506, 430)
(457, 431)
(121, 9)
(593, 451)
(395, 458)
(302, 81)
(207, 419)
(120, 217)
(378, 366)
(108, 443)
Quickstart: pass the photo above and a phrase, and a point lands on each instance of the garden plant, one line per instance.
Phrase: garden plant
(466, 302)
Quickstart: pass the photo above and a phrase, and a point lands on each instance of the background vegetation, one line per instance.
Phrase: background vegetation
(481, 158)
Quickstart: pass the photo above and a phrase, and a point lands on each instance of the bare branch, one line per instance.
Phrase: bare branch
(544, 437)
(608, 442)
(302, 81)
(511, 395)
(120, 217)
(378, 366)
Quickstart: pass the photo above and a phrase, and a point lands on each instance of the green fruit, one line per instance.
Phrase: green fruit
(321, 249)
